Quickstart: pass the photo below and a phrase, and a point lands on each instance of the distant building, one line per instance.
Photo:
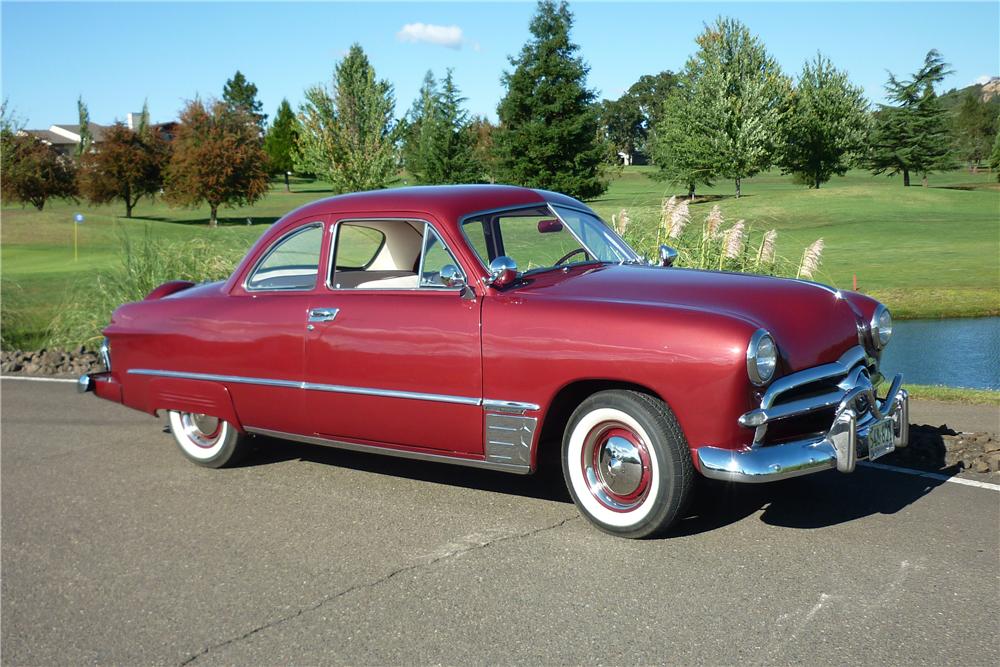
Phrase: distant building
(65, 138)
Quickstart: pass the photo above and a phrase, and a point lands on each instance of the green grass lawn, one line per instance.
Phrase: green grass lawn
(927, 252)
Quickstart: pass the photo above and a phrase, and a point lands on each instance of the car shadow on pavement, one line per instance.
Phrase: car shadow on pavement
(546, 484)
(808, 502)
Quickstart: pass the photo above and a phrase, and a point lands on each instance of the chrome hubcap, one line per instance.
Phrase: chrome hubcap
(616, 466)
(202, 430)
(621, 466)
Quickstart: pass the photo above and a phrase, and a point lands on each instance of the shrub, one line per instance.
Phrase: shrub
(713, 244)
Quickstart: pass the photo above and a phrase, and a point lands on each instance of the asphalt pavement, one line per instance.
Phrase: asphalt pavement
(115, 550)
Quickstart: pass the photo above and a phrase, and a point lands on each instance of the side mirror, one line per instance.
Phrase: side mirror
(450, 276)
(503, 272)
(668, 255)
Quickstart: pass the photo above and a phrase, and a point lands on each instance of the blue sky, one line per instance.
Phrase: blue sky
(117, 54)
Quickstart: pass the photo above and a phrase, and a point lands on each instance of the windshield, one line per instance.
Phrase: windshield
(544, 237)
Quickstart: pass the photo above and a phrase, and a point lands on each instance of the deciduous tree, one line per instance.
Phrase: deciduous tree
(975, 128)
(826, 124)
(126, 166)
(739, 91)
(217, 159)
(548, 133)
(911, 135)
(33, 172)
(681, 145)
(279, 144)
(347, 131)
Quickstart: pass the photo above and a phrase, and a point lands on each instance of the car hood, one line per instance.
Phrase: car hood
(811, 323)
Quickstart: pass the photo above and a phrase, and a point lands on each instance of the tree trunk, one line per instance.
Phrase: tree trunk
(906, 178)
(128, 201)
(213, 220)
(817, 180)
(39, 204)
(288, 188)
(738, 190)
(690, 190)
(923, 181)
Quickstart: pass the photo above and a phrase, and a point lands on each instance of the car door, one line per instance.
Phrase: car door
(261, 329)
(393, 356)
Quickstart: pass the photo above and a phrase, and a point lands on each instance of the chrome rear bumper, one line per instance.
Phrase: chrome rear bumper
(841, 447)
(84, 384)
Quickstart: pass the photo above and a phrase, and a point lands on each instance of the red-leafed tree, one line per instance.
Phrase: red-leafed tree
(126, 165)
(217, 159)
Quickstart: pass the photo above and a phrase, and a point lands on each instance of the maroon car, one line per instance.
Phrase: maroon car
(497, 327)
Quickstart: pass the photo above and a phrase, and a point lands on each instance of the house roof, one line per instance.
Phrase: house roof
(50, 137)
(96, 131)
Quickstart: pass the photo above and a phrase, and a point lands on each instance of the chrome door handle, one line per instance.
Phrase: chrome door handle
(323, 314)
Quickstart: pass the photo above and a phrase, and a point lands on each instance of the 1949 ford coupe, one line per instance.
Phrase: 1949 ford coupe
(495, 326)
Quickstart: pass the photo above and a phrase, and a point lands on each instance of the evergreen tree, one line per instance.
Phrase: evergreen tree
(143, 126)
(238, 93)
(422, 122)
(482, 131)
(826, 123)
(548, 134)
(454, 154)
(279, 144)
(995, 155)
(739, 94)
(910, 136)
(975, 127)
(86, 139)
(347, 133)
(126, 166)
(217, 159)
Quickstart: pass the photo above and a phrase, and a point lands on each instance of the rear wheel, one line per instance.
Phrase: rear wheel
(627, 464)
(206, 440)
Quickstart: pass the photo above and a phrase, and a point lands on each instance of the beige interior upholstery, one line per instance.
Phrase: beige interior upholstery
(402, 282)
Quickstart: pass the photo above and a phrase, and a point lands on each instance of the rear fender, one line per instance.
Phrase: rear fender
(198, 396)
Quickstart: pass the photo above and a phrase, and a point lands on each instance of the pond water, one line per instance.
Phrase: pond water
(953, 352)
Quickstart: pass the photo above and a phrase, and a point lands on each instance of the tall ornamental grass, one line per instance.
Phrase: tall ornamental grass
(144, 263)
(714, 243)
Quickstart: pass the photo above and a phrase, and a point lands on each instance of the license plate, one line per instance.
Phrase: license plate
(880, 439)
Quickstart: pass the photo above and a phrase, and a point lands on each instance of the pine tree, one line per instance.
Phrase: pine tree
(86, 139)
(347, 133)
(826, 123)
(911, 135)
(279, 144)
(143, 126)
(548, 134)
(238, 93)
(422, 122)
(217, 159)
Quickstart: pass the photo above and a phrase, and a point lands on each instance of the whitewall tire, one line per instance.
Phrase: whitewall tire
(627, 464)
(205, 440)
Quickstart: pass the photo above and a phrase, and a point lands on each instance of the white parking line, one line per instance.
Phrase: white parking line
(877, 466)
(931, 475)
(33, 379)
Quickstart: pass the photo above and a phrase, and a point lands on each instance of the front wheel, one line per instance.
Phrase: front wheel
(627, 464)
(207, 441)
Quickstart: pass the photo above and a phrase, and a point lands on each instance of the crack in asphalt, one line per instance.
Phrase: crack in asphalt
(372, 584)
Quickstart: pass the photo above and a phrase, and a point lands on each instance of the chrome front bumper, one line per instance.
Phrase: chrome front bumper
(857, 410)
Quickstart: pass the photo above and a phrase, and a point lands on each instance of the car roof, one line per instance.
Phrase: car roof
(447, 203)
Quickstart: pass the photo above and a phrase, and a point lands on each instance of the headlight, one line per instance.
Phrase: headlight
(881, 327)
(762, 357)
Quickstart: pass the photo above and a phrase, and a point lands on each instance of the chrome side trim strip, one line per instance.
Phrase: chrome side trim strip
(235, 379)
(488, 404)
(517, 469)
(513, 407)
(391, 393)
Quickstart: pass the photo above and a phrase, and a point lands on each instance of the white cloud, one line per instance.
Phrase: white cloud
(442, 35)
(983, 80)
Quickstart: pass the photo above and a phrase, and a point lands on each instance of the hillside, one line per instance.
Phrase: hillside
(988, 92)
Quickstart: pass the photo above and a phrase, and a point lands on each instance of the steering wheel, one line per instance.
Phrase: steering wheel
(570, 254)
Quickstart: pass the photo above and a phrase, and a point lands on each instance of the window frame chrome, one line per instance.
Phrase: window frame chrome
(331, 267)
(274, 246)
